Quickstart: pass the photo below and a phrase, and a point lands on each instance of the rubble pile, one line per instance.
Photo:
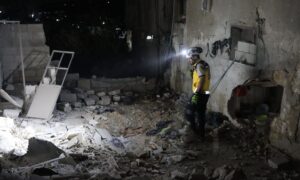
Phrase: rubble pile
(143, 139)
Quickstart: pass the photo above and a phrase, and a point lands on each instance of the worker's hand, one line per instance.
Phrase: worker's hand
(195, 98)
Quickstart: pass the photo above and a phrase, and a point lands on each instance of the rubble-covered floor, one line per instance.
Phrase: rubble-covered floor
(146, 139)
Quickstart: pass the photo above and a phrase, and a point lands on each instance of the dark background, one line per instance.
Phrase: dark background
(91, 28)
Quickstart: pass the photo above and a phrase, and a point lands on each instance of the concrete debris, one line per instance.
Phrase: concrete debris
(82, 96)
(11, 113)
(101, 94)
(77, 105)
(84, 84)
(68, 97)
(65, 107)
(104, 100)
(117, 98)
(95, 97)
(90, 92)
(89, 101)
(115, 92)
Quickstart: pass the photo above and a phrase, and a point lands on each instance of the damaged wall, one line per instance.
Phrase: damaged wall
(35, 52)
(277, 55)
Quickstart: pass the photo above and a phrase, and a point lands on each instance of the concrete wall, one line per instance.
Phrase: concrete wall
(277, 56)
(35, 52)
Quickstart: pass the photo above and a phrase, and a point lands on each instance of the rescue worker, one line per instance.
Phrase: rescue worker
(195, 110)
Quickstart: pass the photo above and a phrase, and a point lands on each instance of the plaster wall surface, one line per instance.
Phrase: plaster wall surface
(35, 52)
(278, 54)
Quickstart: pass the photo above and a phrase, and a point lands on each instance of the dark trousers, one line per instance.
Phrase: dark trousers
(195, 114)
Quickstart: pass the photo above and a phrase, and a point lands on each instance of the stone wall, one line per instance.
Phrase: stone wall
(278, 53)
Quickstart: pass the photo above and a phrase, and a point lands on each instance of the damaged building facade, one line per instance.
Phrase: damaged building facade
(272, 29)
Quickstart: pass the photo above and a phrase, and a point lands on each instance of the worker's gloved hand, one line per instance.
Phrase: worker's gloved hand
(195, 98)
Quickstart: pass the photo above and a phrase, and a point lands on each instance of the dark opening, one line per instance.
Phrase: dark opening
(251, 101)
(245, 34)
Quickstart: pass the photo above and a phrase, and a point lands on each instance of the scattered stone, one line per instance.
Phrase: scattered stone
(167, 95)
(104, 134)
(78, 90)
(77, 104)
(73, 142)
(101, 94)
(90, 92)
(115, 92)
(89, 101)
(68, 97)
(178, 175)
(65, 107)
(84, 84)
(104, 101)
(11, 113)
(117, 98)
(95, 97)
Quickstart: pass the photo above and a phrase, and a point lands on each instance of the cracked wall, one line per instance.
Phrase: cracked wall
(278, 54)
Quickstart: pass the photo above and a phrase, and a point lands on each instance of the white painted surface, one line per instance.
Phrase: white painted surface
(44, 101)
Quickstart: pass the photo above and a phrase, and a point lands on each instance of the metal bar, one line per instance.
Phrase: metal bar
(47, 67)
(22, 63)
(72, 56)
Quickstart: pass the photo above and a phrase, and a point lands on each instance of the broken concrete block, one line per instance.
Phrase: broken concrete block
(89, 101)
(117, 98)
(104, 100)
(90, 92)
(81, 96)
(68, 97)
(115, 92)
(84, 84)
(78, 90)
(77, 104)
(100, 94)
(65, 107)
(11, 113)
(104, 134)
(73, 142)
(95, 97)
